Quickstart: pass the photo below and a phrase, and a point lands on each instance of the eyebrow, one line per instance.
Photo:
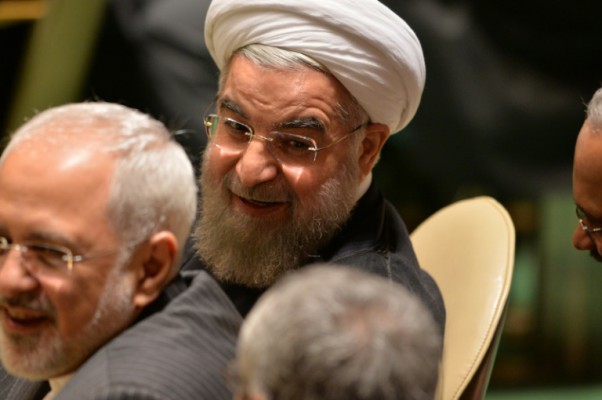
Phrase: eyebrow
(51, 238)
(295, 123)
(308, 122)
(230, 105)
(38, 236)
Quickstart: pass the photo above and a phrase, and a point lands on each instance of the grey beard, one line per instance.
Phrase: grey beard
(43, 357)
(253, 251)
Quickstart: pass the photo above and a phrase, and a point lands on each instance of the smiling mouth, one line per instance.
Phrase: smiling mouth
(259, 203)
(259, 208)
(23, 321)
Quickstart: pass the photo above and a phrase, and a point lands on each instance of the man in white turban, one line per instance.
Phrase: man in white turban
(309, 93)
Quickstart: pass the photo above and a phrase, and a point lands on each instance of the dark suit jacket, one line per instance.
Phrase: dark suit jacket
(178, 350)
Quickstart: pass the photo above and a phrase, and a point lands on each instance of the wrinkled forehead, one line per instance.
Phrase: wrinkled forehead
(299, 89)
(240, 61)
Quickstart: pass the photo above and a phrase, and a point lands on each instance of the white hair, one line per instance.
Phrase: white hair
(153, 186)
(333, 332)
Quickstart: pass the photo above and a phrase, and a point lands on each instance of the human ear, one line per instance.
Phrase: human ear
(155, 268)
(375, 137)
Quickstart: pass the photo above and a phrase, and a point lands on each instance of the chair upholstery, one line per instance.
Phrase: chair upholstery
(468, 248)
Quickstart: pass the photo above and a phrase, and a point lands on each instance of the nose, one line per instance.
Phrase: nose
(14, 277)
(256, 164)
(582, 240)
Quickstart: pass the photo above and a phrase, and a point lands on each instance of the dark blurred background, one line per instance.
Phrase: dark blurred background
(504, 100)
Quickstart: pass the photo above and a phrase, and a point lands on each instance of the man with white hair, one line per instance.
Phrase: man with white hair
(96, 202)
(328, 332)
(309, 93)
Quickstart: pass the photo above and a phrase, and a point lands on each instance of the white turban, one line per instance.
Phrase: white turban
(366, 46)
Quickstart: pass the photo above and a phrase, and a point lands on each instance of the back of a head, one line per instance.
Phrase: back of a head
(153, 185)
(335, 332)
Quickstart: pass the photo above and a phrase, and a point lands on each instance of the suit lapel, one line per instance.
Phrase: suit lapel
(12, 388)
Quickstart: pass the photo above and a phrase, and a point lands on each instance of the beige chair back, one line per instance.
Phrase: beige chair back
(468, 248)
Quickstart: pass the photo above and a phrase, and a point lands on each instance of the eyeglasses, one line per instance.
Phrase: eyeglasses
(581, 217)
(43, 257)
(288, 148)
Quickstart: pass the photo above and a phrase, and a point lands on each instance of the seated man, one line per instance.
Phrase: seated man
(96, 201)
(309, 93)
(335, 333)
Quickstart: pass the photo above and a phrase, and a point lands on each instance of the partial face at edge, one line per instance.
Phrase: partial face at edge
(587, 188)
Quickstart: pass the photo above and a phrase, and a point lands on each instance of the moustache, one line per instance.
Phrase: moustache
(268, 192)
(28, 302)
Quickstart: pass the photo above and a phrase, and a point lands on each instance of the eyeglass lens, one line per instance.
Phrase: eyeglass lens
(582, 217)
(38, 256)
(286, 147)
